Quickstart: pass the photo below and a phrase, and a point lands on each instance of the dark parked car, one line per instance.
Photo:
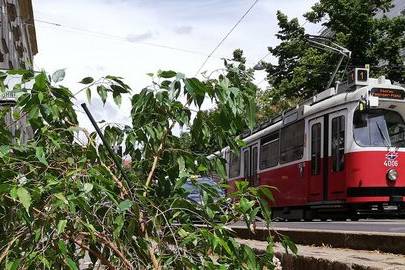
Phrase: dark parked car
(195, 192)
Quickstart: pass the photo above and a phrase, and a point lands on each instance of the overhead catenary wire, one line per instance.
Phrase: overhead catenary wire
(264, 57)
(47, 22)
(226, 36)
(119, 38)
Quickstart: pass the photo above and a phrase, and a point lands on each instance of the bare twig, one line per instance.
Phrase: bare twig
(113, 247)
(7, 248)
(120, 185)
(99, 256)
(156, 158)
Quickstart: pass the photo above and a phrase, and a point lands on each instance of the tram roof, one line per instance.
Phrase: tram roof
(340, 94)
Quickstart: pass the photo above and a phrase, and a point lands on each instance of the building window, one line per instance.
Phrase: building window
(316, 149)
(292, 142)
(234, 165)
(338, 143)
(269, 151)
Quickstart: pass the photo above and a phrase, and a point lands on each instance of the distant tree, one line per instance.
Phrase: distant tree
(363, 28)
(358, 25)
(237, 76)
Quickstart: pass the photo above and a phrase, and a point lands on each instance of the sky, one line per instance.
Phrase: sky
(131, 38)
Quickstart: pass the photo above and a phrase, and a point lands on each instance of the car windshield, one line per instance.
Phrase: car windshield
(379, 127)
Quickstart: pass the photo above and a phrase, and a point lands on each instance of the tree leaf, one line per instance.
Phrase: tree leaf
(40, 154)
(70, 160)
(245, 204)
(72, 265)
(61, 226)
(61, 197)
(87, 187)
(90, 228)
(102, 92)
(181, 162)
(265, 191)
(252, 264)
(13, 193)
(40, 97)
(196, 89)
(4, 150)
(125, 205)
(62, 246)
(58, 75)
(44, 261)
(4, 188)
(119, 222)
(24, 197)
(13, 265)
(167, 74)
(265, 211)
(251, 112)
(220, 168)
(119, 89)
(88, 94)
(288, 244)
(225, 245)
(117, 98)
(87, 80)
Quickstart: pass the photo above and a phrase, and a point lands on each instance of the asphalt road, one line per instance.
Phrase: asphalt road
(363, 225)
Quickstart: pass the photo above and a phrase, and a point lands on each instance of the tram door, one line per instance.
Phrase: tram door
(336, 165)
(317, 162)
(250, 158)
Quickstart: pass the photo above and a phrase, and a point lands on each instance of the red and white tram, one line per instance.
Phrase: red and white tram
(339, 155)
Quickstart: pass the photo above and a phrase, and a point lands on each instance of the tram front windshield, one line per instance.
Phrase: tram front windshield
(379, 127)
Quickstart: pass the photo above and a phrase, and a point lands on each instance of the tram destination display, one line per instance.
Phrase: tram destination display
(388, 93)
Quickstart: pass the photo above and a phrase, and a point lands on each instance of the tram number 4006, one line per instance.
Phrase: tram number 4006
(391, 163)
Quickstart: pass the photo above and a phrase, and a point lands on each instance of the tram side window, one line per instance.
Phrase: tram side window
(338, 143)
(269, 151)
(316, 149)
(292, 142)
(227, 155)
(246, 163)
(234, 165)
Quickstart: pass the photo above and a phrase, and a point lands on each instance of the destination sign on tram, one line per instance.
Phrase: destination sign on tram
(388, 93)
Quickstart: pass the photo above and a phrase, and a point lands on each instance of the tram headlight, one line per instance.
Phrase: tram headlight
(392, 174)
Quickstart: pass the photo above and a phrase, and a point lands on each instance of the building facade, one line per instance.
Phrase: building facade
(18, 39)
(18, 45)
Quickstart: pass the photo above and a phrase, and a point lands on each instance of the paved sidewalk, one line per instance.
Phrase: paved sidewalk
(311, 257)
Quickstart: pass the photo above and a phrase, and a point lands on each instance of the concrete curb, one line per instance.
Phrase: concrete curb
(327, 258)
(384, 242)
(292, 262)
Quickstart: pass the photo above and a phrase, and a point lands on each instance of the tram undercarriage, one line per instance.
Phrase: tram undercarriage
(340, 211)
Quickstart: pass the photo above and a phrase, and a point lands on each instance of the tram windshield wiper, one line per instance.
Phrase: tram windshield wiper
(385, 140)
